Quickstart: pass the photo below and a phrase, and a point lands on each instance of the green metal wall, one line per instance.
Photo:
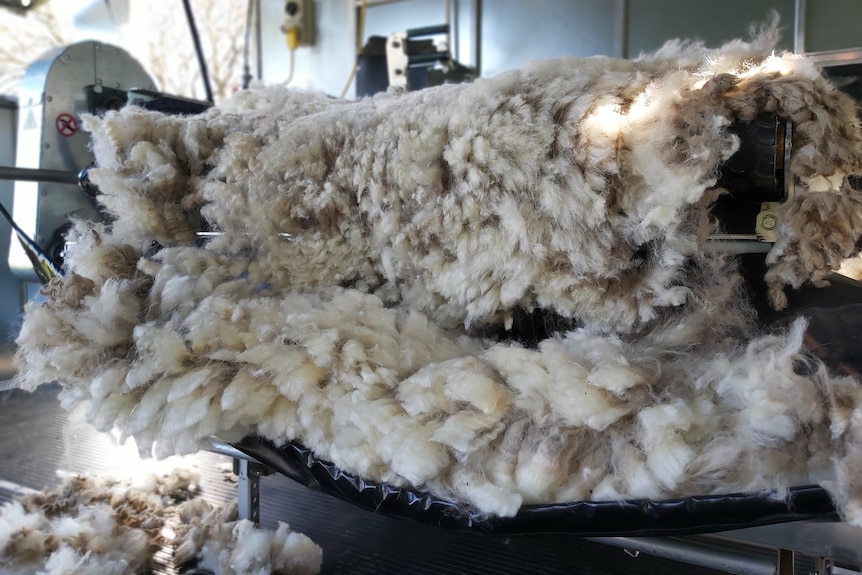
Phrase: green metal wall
(652, 22)
(833, 25)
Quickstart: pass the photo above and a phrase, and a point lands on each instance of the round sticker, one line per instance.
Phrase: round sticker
(66, 124)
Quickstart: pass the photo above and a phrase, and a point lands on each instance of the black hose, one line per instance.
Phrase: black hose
(199, 51)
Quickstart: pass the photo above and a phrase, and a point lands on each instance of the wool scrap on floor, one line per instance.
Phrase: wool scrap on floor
(102, 526)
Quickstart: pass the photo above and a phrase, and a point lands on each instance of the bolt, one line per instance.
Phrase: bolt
(398, 71)
(47, 145)
(49, 98)
(396, 44)
(98, 47)
(769, 222)
(116, 85)
(43, 192)
(99, 81)
(66, 58)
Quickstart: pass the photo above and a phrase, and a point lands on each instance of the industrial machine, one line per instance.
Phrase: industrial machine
(51, 187)
(52, 149)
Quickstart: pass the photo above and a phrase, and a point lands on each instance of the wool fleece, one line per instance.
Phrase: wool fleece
(358, 251)
(101, 526)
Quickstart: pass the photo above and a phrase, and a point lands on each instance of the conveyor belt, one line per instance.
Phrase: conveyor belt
(38, 441)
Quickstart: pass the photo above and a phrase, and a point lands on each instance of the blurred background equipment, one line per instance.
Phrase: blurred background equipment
(20, 5)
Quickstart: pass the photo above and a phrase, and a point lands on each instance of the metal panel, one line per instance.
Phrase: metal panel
(832, 25)
(52, 97)
(515, 32)
(10, 299)
(653, 22)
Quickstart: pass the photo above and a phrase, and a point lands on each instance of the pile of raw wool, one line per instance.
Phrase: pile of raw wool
(358, 252)
(100, 526)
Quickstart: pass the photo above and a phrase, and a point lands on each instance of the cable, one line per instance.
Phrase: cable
(246, 47)
(360, 34)
(291, 37)
(193, 29)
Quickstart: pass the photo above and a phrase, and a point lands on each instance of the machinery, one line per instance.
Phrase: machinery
(52, 149)
(411, 60)
(85, 77)
(51, 186)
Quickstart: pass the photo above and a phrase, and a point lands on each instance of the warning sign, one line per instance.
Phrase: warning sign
(66, 125)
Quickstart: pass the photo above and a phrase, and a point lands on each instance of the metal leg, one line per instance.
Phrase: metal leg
(785, 562)
(823, 566)
(248, 484)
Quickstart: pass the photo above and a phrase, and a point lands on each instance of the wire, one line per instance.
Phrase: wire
(246, 47)
(291, 37)
(360, 34)
(193, 29)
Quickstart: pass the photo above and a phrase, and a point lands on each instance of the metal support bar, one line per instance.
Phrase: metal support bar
(248, 483)
(693, 553)
(785, 562)
(621, 28)
(248, 472)
(799, 27)
(225, 448)
(477, 37)
(38, 175)
(822, 566)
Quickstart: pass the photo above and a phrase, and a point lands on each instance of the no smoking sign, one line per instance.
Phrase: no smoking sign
(66, 125)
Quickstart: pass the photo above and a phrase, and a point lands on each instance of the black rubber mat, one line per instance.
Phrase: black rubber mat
(40, 444)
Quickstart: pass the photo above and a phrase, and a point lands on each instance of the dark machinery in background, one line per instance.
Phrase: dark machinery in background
(20, 5)
(412, 60)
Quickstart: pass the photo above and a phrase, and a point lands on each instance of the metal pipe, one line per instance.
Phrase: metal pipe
(799, 27)
(477, 37)
(38, 175)
(199, 52)
(693, 553)
(455, 33)
(621, 28)
(371, 3)
(225, 448)
(258, 39)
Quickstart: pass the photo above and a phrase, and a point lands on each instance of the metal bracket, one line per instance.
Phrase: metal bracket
(767, 221)
(397, 59)
(248, 487)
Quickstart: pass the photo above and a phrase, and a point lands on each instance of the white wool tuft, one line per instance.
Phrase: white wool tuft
(367, 247)
(249, 550)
